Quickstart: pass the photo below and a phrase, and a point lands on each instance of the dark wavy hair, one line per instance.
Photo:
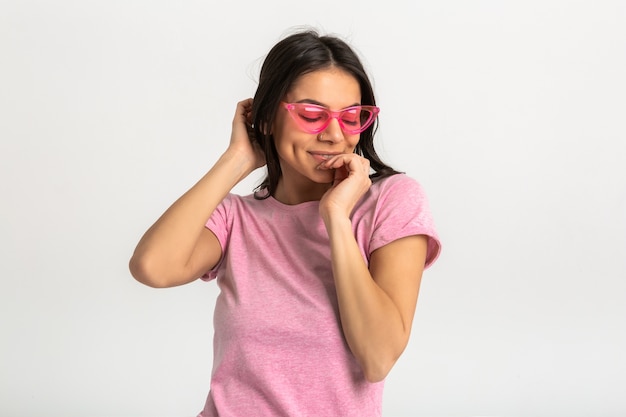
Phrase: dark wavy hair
(298, 54)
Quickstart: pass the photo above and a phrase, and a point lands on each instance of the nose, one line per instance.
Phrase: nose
(332, 133)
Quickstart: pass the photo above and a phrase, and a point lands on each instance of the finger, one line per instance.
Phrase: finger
(340, 174)
(351, 162)
(246, 102)
(337, 161)
(244, 109)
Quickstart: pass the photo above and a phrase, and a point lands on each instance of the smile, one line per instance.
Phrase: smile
(321, 156)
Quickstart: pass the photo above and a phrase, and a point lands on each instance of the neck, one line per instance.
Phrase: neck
(293, 194)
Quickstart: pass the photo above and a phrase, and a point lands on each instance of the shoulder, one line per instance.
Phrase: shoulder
(234, 201)
(397, 186)
(396, 207)
(231, 206)
(397, 196)
(242, 208)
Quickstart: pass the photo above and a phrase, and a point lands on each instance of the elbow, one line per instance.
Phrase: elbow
(152, 272)
(142, 272)
(375, 377)
(376, 364)
(377, 372)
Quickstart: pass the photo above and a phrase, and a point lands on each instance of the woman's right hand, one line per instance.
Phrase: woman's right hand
(242, 139)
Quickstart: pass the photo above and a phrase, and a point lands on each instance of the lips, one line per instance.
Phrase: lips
(321, 156)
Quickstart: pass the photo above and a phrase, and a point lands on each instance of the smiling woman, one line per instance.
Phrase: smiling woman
(319, 269)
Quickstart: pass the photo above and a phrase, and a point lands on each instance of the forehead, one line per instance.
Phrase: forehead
(332, 87)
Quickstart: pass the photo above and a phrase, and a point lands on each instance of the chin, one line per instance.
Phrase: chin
(322, 177)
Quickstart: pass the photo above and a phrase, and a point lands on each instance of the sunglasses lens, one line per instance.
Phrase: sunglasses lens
(311, 118)
(356, 119)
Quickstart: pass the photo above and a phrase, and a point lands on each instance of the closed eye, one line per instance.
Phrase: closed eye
(351, 117)
(312, 115)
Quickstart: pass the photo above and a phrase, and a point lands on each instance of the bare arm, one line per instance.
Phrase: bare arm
(376, 305)
(177, 249)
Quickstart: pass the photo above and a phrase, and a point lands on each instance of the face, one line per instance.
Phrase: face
(300, 152)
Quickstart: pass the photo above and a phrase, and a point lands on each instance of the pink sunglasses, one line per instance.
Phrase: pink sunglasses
(313, 118)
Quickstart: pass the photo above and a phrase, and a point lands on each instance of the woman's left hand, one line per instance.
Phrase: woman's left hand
(350, 183)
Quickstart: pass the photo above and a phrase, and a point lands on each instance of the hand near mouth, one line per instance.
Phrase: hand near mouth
(351, 181)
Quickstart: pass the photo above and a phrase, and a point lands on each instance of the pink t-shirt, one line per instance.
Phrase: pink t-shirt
(279, 349)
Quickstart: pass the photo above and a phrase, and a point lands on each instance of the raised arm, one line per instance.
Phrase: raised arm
(177, 248)
(376, 304)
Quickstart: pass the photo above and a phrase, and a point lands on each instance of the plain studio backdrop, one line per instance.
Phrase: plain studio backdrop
(510, 113)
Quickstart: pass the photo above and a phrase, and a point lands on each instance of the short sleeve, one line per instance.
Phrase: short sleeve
(402, 210)
(219, 223)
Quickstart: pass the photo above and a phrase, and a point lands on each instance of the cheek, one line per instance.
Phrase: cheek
(287, 143)
(281, 139)
(352, 141)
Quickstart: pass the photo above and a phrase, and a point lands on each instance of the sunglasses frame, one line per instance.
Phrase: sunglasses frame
(331, 115)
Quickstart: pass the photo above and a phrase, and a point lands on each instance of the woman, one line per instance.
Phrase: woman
(320, 268)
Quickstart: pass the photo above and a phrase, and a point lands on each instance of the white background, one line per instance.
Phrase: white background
(510, 113)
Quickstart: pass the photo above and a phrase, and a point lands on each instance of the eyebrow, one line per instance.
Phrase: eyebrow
(311, 101)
